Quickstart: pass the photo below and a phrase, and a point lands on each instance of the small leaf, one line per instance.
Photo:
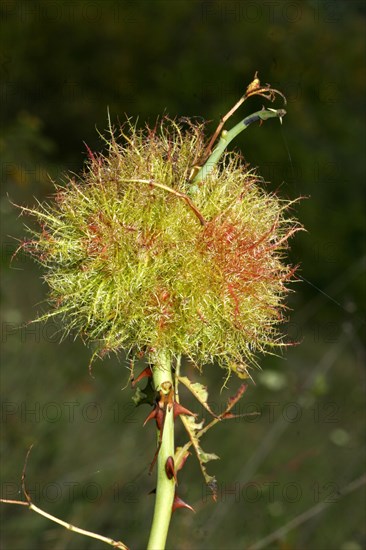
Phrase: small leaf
(199, 391)
(145, 396)
(212, 485)
(139, 397)
(192, 425)
(206, 457)
(193, 428)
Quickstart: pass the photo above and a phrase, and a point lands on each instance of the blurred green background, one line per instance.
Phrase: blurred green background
(63, 63)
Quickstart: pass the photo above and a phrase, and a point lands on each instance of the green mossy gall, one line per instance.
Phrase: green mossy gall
(137, 259)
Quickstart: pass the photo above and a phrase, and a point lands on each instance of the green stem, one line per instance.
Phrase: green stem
(227, 136)
(165, 488)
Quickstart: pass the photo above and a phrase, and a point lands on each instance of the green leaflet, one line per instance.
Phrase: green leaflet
(199, 391)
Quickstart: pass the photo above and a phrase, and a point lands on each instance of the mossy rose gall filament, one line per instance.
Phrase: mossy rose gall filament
(137, 259)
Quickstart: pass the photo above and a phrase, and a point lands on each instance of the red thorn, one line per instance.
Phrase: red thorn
(154, 459)
(179, 503)
(145, 373)
(178, 409)
(228, 415)
(170, 468)
(152, 415)
(183, 461)
(158, 414)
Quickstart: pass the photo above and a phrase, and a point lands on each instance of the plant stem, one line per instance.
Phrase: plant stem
(228, 136)
(165, 488)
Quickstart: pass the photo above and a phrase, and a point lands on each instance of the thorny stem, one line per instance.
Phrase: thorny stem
(165, 488)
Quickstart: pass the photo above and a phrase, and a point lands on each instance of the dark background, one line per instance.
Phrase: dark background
(63, 64)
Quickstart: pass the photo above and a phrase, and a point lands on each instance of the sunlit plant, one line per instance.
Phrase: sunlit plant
(169, 247)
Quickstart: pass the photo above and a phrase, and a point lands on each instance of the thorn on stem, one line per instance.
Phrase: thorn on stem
(151, 416)
(179, 409)
(145, 373)
(158, 414)
(170, 469)
(179, 503)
